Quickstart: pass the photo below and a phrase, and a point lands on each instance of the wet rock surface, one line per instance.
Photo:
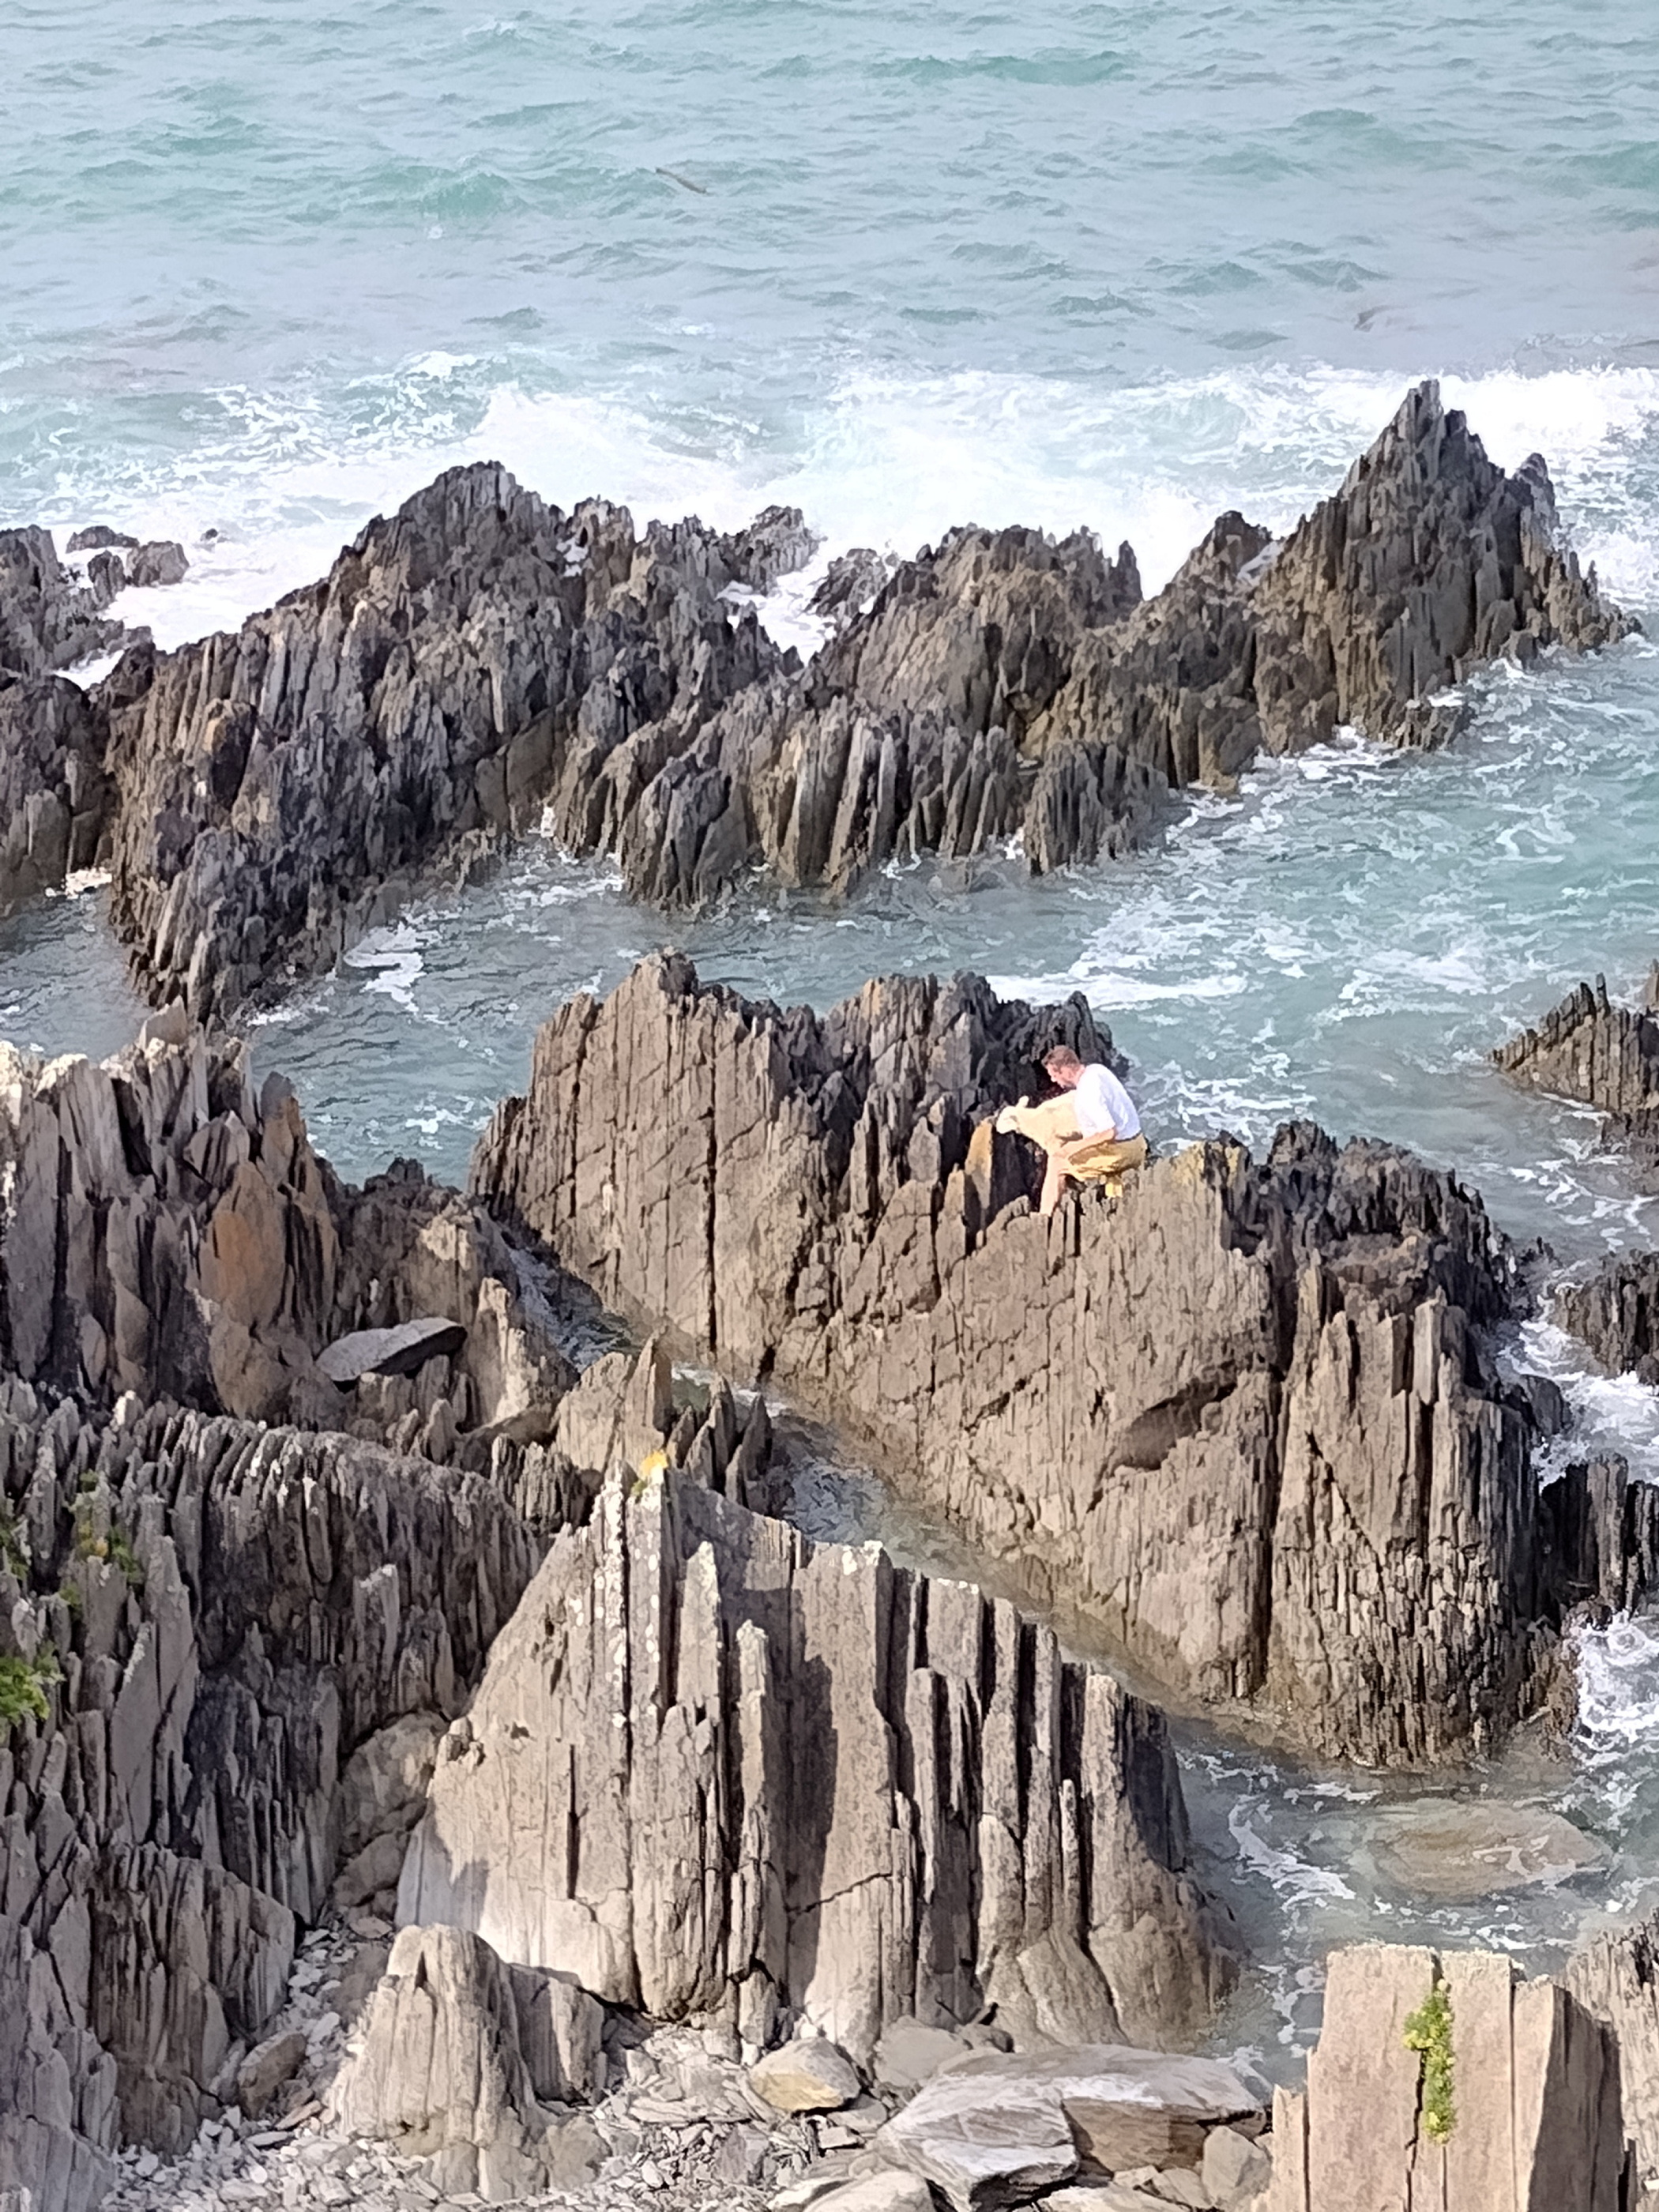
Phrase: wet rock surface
(480, 657)
(465, 658)
(50, 618)
(1245, 1422)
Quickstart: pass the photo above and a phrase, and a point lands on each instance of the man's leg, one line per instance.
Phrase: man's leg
(1053, 1181)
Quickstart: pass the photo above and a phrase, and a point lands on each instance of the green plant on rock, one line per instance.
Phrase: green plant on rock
(1429, 2032)
(115, 1546)
(14, 1552)
(23, 1686)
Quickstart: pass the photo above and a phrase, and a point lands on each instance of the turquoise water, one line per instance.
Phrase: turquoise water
(264, 272)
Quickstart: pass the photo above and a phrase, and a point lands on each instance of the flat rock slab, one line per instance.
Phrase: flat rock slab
(404, 1350)
(999, 2127)
(1439, 1847)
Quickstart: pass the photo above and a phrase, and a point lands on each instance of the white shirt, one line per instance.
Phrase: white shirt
(1104, 1107)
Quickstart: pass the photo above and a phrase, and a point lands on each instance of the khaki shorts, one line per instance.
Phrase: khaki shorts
(1109, 1160)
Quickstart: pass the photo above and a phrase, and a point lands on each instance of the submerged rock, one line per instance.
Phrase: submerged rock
(1460, 1850)
(718, 1772)
(1245, 1423)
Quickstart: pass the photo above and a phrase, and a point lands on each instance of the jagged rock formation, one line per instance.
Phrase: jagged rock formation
(228, 1654)
(48, 620)
(164, 1229)
(717, 1772)
(1006, 685)
(1615, 1978)
(461, 2057)
(1245, 1424)
(480, 655)
(207, 1618)
(54, 795)
(1536, 2112)
(282, 788)
(1616, 1312)
(1605, 1056)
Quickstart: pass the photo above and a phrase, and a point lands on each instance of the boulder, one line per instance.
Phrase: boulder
(909, 2052)
(383, 1787)
(879, 2192)
(266, 2068)
(770, 1777)
(164, 561)
(1235, 2169)
(440, 2072)
(1461, 1849)
(994, 2129)
(404, 1350)
(806, 2074)
(1248, 1424)
(98, 537)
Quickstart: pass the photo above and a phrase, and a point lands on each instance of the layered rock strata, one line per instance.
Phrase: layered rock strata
(1534, 2115)
(49, 619)
(1244, 1422)
(200, 1620)
(1604, 1056)
(227, 1656)
(283, 787)
(165, 1228)
(718, 1773)
(480, 656)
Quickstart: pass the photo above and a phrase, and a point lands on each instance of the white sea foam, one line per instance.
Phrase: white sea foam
(882, 459)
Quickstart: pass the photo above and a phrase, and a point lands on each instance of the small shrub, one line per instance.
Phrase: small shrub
(14, 1553)
(23, 1686)
(1429, 2030)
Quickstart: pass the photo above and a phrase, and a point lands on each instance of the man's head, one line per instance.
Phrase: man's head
(1062, 1066)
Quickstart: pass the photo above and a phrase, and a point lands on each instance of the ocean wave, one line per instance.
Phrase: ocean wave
(285, 476)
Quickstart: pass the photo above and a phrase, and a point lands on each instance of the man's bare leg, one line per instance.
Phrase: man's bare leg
(1054, 1183)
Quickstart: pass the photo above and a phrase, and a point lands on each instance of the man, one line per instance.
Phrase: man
(1090, 1132)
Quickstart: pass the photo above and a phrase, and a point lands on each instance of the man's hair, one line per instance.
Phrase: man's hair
(1060, 1059)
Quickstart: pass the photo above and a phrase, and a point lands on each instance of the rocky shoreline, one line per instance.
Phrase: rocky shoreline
(430, 1774)
(481, 659)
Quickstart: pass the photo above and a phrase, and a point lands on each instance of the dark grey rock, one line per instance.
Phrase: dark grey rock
(98, 537)
(404, 1350)
(163, 562)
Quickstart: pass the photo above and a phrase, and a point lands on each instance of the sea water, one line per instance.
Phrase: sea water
(264, 272)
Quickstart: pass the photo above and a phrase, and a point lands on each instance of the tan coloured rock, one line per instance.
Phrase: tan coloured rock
(1536, 2095)
(993, 2130)
(1236, 2170)
(807, 2075)
(440, 2070)
(165, 1230)
(266, 2068)
(1248, 1424)
(1463, 1849)
(713, 1770)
